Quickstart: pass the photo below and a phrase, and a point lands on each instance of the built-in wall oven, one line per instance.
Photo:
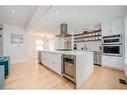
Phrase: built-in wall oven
(69, 67)
(112, 45)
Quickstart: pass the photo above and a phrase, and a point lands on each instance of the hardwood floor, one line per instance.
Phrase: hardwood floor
(30, 75)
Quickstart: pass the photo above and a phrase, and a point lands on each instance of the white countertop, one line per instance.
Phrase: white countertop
(67, 52)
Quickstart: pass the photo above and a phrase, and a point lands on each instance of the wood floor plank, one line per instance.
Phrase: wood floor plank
(31, 75)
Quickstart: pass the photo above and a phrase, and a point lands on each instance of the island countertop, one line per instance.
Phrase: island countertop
(67, 52)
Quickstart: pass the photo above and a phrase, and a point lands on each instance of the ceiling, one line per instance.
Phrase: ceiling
(18, 15)
(78, 18)
(46, 19)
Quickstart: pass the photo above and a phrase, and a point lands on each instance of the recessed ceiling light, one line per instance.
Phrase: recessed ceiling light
(57, 12)
(13, 21)
(75, 13)
(13, 11)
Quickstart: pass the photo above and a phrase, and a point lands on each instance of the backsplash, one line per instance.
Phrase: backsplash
(92, 46)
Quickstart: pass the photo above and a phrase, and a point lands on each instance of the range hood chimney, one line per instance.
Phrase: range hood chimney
(63, 31)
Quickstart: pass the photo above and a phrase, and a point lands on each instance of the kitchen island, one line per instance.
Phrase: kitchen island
(83, 63)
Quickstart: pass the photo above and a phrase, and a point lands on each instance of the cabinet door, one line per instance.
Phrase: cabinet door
(56, 63)
(106, 28)
(48, 59)
(112, 62)
(117, 26)
(44, 58)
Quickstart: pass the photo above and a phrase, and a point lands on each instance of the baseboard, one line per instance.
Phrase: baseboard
(120, 69)
(32, 56)
(21, 60)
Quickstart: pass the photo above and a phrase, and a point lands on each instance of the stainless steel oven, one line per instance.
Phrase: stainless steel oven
(112, 45)
(69, 67)
(113, 50)
(113, 39)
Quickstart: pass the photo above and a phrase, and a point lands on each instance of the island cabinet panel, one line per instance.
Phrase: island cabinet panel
(56, 63)
(84, 68)
(52, 61)
(45, 58)
(84, 63)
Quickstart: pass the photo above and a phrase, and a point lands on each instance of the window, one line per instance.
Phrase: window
(39, 45)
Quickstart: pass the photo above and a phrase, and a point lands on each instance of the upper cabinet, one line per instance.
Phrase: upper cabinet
(117, 26)
(106, 28)
(113, 27)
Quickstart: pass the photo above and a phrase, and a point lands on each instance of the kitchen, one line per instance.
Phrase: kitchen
(82, 49)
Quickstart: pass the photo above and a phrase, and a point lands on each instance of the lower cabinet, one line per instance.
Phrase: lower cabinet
(52, 61)
(112, 62)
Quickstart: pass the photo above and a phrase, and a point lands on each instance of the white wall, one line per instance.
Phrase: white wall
(18, 54)
(1, 41)
(92, 46)
(125, 56)
(32, 37)
(32, 44)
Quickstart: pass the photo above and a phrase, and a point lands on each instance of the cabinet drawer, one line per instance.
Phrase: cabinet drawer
(113, 62)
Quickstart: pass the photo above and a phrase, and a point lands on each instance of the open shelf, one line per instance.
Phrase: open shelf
(88, 33)
(86, 41)
(88, 36)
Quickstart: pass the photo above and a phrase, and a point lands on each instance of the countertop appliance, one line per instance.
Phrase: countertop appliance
(112, 45)
(69, 67)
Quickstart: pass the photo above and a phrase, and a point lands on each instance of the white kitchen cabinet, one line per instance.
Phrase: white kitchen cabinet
(112, 62)
(117, 26)
(106, 28)
(113, 27)
(44, 58)
(52, 61)
(56, 63)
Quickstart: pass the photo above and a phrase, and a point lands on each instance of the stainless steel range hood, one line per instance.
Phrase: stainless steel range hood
(63, 31)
